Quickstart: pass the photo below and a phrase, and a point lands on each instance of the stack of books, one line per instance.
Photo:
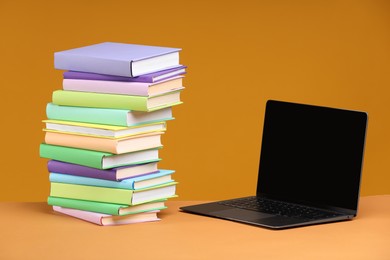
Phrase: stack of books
(104, 128)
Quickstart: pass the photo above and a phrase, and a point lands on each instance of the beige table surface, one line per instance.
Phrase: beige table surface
(33, 231)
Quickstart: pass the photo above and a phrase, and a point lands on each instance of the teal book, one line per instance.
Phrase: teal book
(106, 208)
(141, 182)
(106, 116)
(95, 159)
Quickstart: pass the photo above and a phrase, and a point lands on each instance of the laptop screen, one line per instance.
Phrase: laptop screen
(312, 154)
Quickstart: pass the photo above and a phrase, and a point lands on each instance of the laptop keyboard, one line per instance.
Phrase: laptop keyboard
(278, 208)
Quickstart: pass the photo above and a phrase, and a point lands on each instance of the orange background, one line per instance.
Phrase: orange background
(239, 54)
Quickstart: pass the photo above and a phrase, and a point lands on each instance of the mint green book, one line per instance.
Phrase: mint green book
(106, 208)
(112, 195)
(114, 101)
(95, 159)
(106, 116)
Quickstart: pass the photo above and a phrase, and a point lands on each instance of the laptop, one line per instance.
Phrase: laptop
(310, 169)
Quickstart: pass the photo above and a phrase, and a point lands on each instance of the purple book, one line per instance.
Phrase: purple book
(114, 174)
(119, 59)
(148, 78)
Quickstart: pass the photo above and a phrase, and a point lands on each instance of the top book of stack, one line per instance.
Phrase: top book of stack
(118, 59)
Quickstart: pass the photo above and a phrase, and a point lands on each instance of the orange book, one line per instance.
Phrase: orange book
(115, 146)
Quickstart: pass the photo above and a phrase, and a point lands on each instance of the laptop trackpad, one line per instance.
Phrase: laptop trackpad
(256, 217)
(240, 214)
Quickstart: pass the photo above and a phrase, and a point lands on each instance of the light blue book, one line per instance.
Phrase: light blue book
(136, 183)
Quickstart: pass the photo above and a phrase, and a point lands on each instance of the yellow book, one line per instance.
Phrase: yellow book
(112, 195)
(103, 131)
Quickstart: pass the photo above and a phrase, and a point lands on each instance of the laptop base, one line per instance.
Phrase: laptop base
(217, 210)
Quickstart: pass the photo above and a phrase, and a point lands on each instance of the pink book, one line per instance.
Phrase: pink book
(108, 220)
(124, 88)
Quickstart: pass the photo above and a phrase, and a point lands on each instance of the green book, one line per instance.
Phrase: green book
(95, 159)
(112, 195)
(114, 101)
(106, 116)
(106, 208)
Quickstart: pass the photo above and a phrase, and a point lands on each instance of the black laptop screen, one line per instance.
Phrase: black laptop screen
(312, 154)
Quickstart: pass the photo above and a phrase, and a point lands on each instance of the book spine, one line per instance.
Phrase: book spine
(82, 142)
(95, 76)
(87, 115)
(79, 170)
(108, 87)
(106, 208)
(99, 194)
(84, 215)
(83, 63)
(73, 155)
(98, 100)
